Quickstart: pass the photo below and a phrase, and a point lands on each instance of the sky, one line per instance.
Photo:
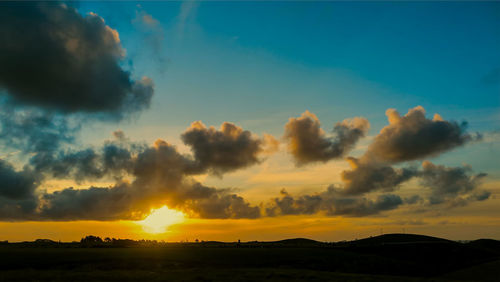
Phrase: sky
(249, 120)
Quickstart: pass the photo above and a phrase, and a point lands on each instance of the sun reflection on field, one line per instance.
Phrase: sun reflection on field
(160, 219)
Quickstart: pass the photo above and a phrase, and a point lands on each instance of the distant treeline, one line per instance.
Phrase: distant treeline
(88, 241)
(386, 241)
(92, 241)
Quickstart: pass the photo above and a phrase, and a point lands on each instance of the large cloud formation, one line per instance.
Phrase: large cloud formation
(448, 186)
(413, 136)
(59, 69)
(308, 143)
(407, 138)
(53, 57)
(160, 175)
(147, 177)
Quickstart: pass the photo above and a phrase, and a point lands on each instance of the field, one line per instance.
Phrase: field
(383, 258)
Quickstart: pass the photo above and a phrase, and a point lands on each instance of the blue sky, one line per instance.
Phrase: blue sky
(434, 54)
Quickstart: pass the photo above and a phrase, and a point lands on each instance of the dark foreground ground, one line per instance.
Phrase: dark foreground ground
(392, 257)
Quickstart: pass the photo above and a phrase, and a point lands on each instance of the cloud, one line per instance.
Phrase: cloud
(153, 35)
(17, 192)
(158, 172)
(145, 19)
(34, 130)
(454, 186)
(413, 137)
(449, 184)
(150, 176)
(160, 175)
(331, 202)
(308, 143)
(187, 12)
(413, 199)
(406, 138)
(59, 69)
(84, 164)
(372, 176)
(133, 202)
(16, 184)
(113, 160)
(54, 58)
(94, 203)
(18, 209)
(226, 149)
(216, 151)
(218, 203)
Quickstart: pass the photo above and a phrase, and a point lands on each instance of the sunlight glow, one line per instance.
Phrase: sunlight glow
(160, 219)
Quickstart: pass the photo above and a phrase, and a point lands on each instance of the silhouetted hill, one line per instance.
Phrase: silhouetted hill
(393, 255)
(486, 244)
(425, 254)
(298, 242)
(397, 239)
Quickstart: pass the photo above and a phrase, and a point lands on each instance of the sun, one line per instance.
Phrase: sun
(160, 219)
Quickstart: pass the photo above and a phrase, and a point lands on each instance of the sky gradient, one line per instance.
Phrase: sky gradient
(257, 120)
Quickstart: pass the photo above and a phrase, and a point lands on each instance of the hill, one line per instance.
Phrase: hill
(389, 257)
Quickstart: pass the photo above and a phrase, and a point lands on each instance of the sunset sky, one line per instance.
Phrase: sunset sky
(249, 120)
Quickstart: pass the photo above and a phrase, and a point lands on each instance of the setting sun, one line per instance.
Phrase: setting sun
(160, 219)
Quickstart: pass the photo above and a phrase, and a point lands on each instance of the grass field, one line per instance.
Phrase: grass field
(375, 260)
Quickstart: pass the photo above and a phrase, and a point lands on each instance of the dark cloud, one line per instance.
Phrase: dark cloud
(161, 176)
(158, 172)
(34, 130)
(219, 151)
(208, 202)
(373, 176)
(59, 68)
(16, 184)
(133, 202)
(114, 159)
(17, 192)
(413, 199)
(94, 203)
(288, 205)
(406, 138)
(413, 136)
(455, 185)
(331, 202)
(223, 150)
(85, 164)
(161, 165)
(18, 209)
(308, 143)
(55, 58)
(148, 177)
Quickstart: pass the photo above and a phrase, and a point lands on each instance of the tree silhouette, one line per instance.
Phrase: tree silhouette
(91, 240)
